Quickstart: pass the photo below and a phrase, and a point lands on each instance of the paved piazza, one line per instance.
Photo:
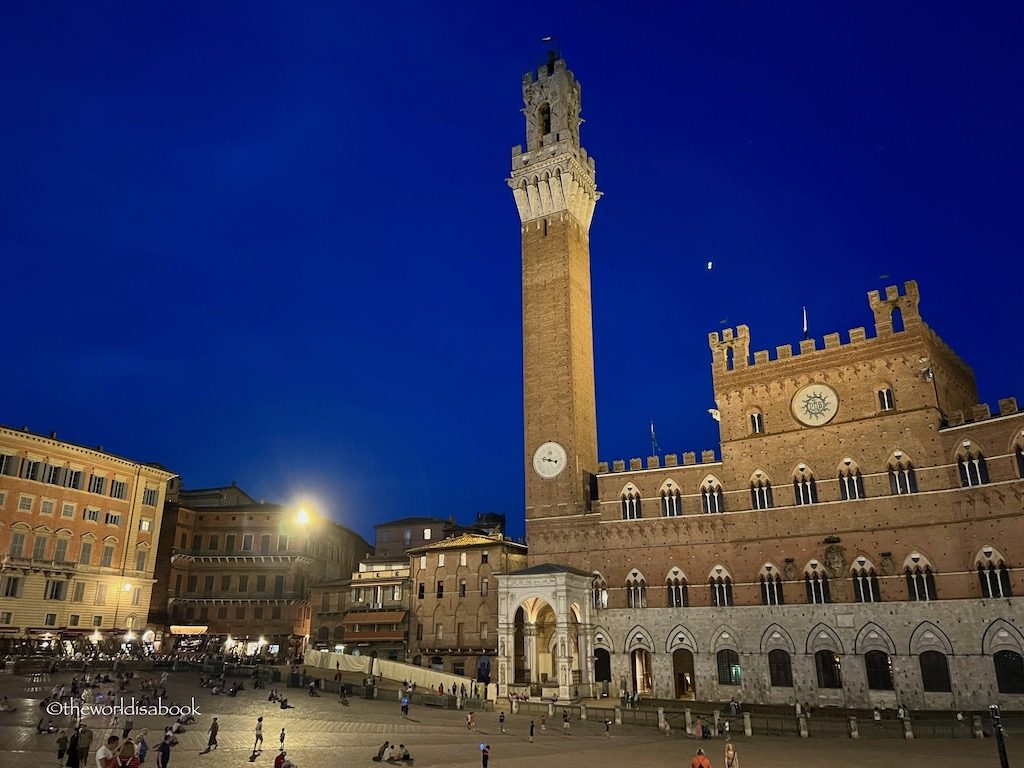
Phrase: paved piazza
(320, 728)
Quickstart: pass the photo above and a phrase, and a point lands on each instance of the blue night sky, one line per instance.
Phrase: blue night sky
(272, 242)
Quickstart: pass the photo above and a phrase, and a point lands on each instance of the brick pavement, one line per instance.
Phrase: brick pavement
(318, 727)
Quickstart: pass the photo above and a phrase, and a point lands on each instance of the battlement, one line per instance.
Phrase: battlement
(982, 412)
(554, 65)
(654, 462)
(730, 350)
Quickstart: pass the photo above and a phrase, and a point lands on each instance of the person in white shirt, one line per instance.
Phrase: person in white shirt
(105, 754)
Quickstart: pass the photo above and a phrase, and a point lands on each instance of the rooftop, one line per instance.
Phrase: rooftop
(469, 540)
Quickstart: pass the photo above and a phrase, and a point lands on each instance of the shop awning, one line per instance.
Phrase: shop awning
(375, 617)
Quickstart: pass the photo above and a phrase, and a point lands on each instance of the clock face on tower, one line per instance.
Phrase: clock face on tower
(549, 460)
(815, 404)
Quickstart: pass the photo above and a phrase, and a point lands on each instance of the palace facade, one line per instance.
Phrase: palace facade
(854, 541)
(78, 533)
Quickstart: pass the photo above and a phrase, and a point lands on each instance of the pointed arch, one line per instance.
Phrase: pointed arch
(770, 578)
(631, 501)
(761, 496)
(720, 585)
(636, 589)
(993, 573)
(671, 496)
(928, 637)
(679, 637)
(823, 638)
(599, 591)
(603, 639)
(873, 638)
(638, 637)
(805, 487)
(902, 475)
(971, 464)
(851, 480)
(725, 637)
(1001, 635)
(712, 496)
(777, 637)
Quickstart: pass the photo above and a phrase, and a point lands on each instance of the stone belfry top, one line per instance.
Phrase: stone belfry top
(554, 174)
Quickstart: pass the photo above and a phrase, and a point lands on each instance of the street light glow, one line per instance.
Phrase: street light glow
(127, 586)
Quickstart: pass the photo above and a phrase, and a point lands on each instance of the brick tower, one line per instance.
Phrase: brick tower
(555, 192)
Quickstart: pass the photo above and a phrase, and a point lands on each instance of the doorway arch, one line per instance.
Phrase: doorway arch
(683, 673)
(602, 665)
(643, 675)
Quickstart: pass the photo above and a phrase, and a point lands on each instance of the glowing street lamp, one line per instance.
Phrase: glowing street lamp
(302, 516)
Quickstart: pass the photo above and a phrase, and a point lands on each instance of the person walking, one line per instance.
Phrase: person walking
(105, 754)
(84, 743)
(607, 728)
(211, 743)
(532, 727)
(73, 750)
(565, 723)
(62, 746)
(283, 734)
(700, 760)
(142, 746)
(485, 754)
(501, 721)
(163, 752)
(732, 759)
(698, 729)
(543, 723)
(259, 737)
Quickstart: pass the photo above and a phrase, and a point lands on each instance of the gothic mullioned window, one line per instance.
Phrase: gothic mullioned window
(712, 499)
(636, 590)
(761, 492)
(865, 582)
(886, 400)
(902, 479)
(757, 423)
(671, 500)
(678, 589)
(816, 584)
(920, 578)
(631, 504)
(851, 482)
(805, 490)
(972, 466)
(600, 591)
(771, 586)
(720, 583)
(993, 575)
(1019, 454)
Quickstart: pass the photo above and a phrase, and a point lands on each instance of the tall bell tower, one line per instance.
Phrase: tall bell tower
(553, 182)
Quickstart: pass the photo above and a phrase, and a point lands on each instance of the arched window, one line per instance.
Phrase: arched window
(816, 582)
(1009, 671)
(879, 668)
(323, 634)
(993, 575)
(671, 500)
(728, 667)
(631, 503)
(761, 492)
(636, 590)
(544, 119)
(780, 668)
(829, 669)
(865, 582)
(720, 583)
(805, 490)
(1019, 453)
(886, 399)
(771, 586)
(756, 422)
(935, 672)
(600, 592)
(920, 578)
(902, 479)
(678, 589)
(712, 500)
(851, 482)
(971, 464)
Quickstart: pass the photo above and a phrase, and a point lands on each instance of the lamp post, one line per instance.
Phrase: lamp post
(997, 731)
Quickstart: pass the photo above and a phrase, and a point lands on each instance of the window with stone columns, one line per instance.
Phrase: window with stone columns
(761, 491)
(920, 578)
(902, 479)
(851, 482)
(865, 581)
(599, 592)
(971, 465)
(993, 575)
(712, 499)
(636, 590)
(631, 505)
(816, 583)
(805, 490)
(771, 585)
(678, 589)
(720, 584)
(671, 500)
